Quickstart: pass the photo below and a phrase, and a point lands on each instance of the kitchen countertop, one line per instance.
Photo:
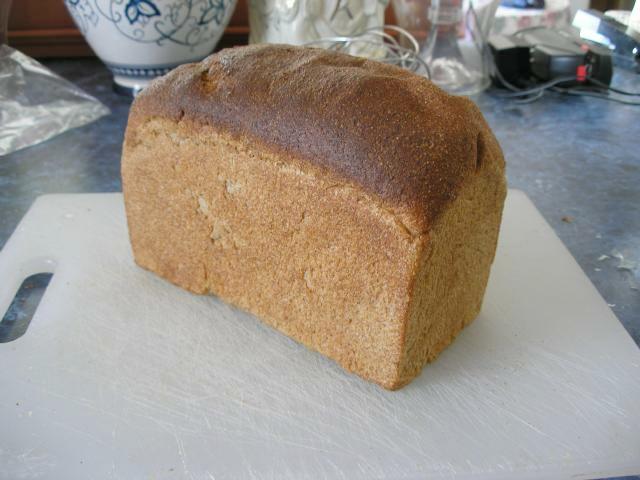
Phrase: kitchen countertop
(576, 158)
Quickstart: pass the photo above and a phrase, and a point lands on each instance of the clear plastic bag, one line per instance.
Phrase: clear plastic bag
(36, 104)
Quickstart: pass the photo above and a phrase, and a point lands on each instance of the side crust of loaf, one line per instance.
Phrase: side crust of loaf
(454, 269)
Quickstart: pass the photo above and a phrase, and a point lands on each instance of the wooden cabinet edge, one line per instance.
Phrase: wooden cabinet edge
(69, 42)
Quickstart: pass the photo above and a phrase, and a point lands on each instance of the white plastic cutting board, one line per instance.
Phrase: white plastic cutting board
(122, 375)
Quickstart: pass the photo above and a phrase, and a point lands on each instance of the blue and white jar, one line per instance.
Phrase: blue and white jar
(142, 39)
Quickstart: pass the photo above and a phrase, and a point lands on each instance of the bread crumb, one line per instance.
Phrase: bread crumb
(219, 229)
(175, 138)
(232, 187)
(307, 279)
(220, 233)
(203, 206)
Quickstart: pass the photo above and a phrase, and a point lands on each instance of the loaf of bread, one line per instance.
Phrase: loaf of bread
(351, 205)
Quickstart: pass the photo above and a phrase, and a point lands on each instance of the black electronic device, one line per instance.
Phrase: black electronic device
(511, 58)
(538, 55)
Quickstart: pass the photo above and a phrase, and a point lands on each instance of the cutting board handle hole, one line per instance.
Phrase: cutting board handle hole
(18, 316)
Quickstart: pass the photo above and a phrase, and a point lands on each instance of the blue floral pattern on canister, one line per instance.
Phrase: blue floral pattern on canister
(183, 22)
(140, 8)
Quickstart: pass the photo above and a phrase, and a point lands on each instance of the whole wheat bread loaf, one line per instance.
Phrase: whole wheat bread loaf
(351, 205)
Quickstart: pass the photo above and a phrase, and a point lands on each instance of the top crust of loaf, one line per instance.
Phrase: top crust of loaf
(380, 127)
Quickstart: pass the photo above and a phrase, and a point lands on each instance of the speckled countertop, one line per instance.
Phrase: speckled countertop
(577, 158)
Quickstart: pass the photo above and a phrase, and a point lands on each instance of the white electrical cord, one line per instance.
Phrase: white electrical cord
(387, 48)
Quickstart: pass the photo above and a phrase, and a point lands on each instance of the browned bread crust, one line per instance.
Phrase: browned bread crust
(349, 204)
(392, 132)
